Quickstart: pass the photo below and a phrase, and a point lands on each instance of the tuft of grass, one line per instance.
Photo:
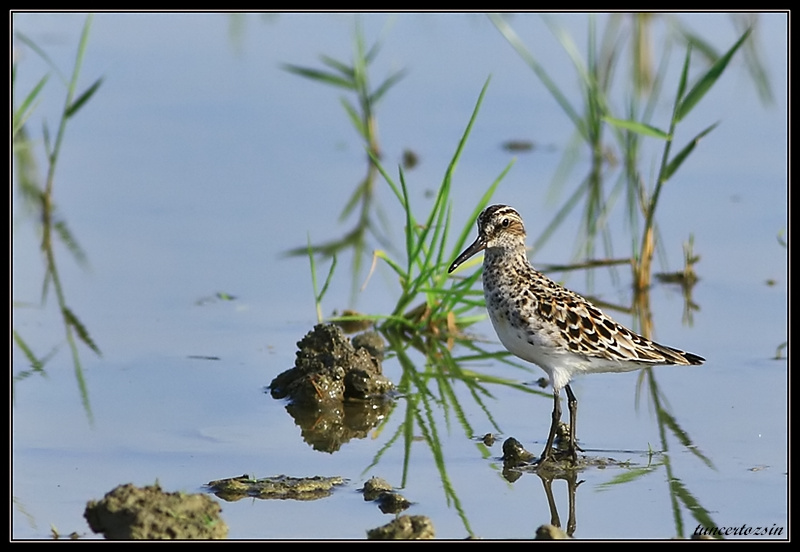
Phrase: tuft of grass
(354, 78)
(598, 117)
(430, 302)
(40, 197)
(685, 102)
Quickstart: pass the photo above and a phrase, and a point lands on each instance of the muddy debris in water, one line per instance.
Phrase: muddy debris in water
(353, 322)
(372, 342)
(374, 487)
(380, 491)
(514, 454)
(327, 428)
(404, 528)
(133, 513)
(392, 503)
(329, 368)
(517, 460)
(336, 390)
(280, 487)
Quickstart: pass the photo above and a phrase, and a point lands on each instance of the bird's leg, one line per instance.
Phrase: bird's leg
(547, 453)
(572, 404)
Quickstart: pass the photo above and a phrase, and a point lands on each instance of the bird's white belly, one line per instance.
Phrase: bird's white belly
(534, 344)
(516, 340)
(527, 345)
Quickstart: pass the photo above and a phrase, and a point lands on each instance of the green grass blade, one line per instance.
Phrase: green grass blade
(460, 148)
(625, 477)
(707, 81)
(700, 513)
(42, 54)
(327, 279)
(682, 436)
(528, 57)
(83, 98)
(440, 247)
(401, 272)
(390, 81)
(36, 364)
(319, 76)
(346, 71)
(409, 226)
(699, 44)
(355, 118)
(80, 329)
(637, 127)
(82, 45)
(22, 112)
(72, 244)
(314, 278)
(681, 156)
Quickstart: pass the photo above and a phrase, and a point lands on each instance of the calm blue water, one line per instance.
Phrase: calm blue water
(199, 162)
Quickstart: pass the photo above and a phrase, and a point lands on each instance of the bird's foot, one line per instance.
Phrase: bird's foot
(558, 458)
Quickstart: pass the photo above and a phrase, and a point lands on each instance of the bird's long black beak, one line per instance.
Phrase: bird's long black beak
(477, 246)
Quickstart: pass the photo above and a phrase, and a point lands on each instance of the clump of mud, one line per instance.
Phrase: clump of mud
(331, 368)
(514, 454)
(380, 491)
(280, 487)
(336, 389)
(130, 512)
(404, 528)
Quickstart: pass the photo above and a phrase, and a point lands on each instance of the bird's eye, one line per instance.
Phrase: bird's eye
(505, 223)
